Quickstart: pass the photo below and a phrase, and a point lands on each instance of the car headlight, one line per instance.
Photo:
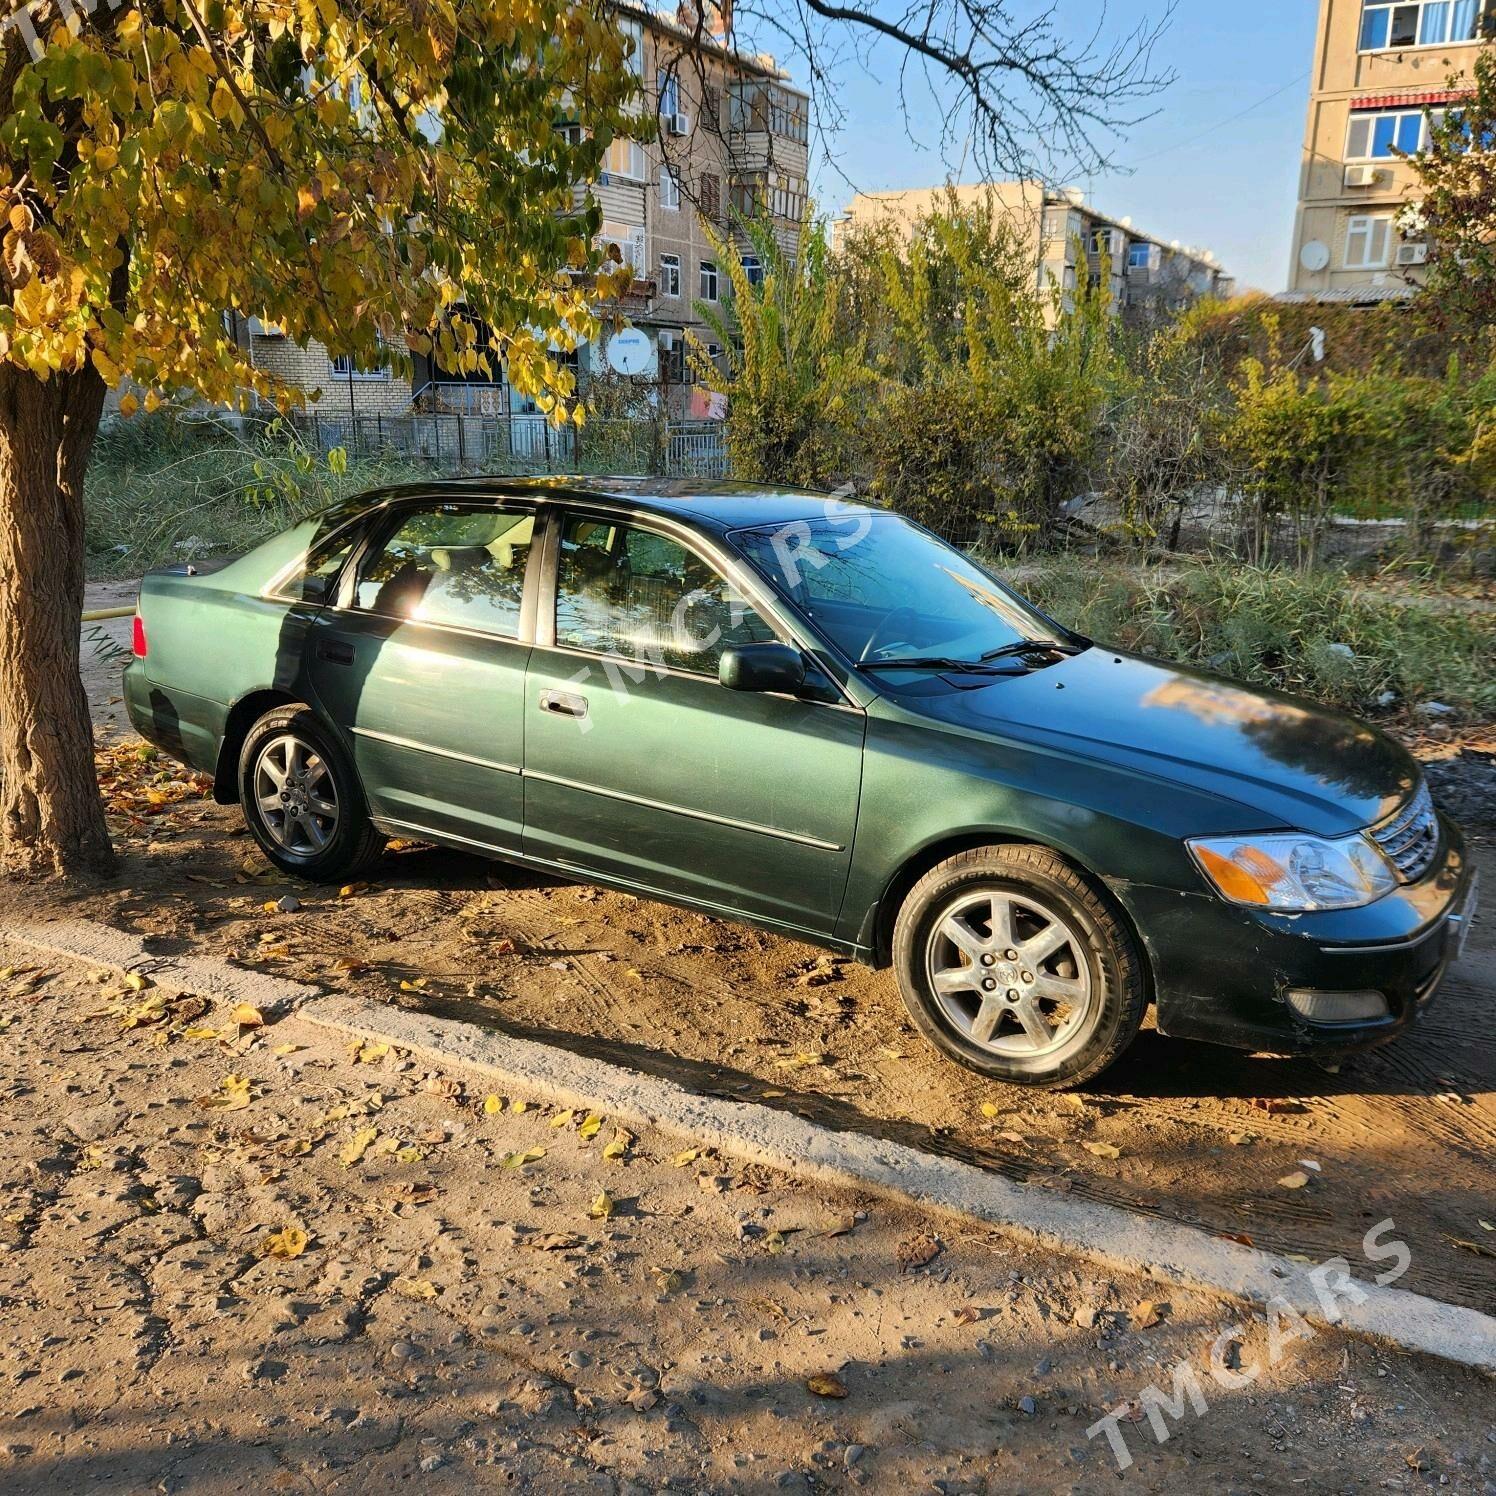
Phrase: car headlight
(1292, 872)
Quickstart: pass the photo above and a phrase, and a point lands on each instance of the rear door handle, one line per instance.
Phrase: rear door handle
(563, 703)
(335, 652)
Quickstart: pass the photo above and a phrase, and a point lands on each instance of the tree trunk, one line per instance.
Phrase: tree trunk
(51, 817)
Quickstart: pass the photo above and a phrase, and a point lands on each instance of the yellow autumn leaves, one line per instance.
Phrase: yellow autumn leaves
(318, 211)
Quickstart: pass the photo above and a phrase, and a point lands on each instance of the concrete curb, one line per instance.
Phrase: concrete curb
(1160, 1250)
(118, 950)
(1169, 1253)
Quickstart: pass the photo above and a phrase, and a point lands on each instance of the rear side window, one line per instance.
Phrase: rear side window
(463, 567)
(312, 581)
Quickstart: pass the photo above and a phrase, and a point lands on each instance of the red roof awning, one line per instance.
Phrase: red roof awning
(1410, 100)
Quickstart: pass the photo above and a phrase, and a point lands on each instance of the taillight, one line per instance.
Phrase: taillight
(137, 638)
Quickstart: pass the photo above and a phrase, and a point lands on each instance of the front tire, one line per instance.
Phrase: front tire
(302, 800)
(1012, 964)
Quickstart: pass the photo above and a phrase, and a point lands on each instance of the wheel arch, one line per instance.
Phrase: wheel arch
(242, 716)
(877, 930)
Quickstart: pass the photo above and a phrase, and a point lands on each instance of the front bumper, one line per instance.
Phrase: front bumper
(1224, 974)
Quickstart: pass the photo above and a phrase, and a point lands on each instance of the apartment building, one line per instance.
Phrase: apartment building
(1382, 72)
(733, 133)
(1069, 242)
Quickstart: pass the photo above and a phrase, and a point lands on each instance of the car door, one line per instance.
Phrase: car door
(421, 665)
(640, 766)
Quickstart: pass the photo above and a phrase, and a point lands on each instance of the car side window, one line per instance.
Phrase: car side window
(639, 595)
(450, 565)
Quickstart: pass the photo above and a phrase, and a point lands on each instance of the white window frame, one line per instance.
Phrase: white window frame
(1422, 6)
(670, 276)
(1366, 225)
(669, 190)
(705, 269)
(1428, 120)
(1139, 247)
(637, 169)
(351, 375)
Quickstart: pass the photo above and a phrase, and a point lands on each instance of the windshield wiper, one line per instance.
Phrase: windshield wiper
(1033, 646)
(939, 664)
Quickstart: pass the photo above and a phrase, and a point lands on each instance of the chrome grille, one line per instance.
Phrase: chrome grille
(1410, 837)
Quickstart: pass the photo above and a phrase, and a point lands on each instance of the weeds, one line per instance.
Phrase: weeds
(162, 490)
(1317, 634)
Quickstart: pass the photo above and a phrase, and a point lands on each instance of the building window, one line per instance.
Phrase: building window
(1419, 23)
(625, 159)
(711, 108)
(708, 290)
(633, 34)
(1368, 238)
(709, 198)
(669, 86)
(1139, 256)
(753, 270)
(669, 189)
(672, 357)
(773, 192)
(670, 276)
(1379, 136)
(766, 107)
(343, 368)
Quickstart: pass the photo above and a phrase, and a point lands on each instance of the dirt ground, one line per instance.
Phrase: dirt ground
(243, 1257)
(1202, 1134)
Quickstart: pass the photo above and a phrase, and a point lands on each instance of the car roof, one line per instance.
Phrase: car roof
(716, 503)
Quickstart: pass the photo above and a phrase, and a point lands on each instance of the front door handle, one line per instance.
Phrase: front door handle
(563, 703)
(335, 652)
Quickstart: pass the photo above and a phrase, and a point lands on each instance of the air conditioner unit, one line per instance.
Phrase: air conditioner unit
(1361, 176)
(678, 124)
(1412, 254)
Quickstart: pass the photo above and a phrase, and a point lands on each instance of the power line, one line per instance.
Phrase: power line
(1221, 124)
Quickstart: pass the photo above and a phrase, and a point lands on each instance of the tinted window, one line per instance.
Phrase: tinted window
(455, 566)
(643, 596)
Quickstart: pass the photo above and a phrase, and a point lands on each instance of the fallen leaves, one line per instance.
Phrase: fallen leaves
(520, 1160)
(1103, 1150)
(826, 1384)
(602, 1207)
(1147, 1314)
(554, 1241)
(353, 1150)
(1295, 1181)
(619, 1149)
(233, 1095)
(414, 1288)
(367, 1051)
(918, 1251)
(288, 1242)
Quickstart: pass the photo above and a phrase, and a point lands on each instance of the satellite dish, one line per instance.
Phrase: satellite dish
(630, 351)
(1315, 255)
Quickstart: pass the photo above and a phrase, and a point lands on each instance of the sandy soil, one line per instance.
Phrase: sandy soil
(360, 1273)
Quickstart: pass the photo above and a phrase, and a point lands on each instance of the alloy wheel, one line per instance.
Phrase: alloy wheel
(295, 795)
(1009, 972)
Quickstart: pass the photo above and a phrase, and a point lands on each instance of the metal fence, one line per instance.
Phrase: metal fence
(521, 443)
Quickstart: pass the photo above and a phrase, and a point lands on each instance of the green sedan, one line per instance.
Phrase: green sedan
(770, 705)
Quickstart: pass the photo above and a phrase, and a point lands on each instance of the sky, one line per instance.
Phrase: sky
(1192, 172)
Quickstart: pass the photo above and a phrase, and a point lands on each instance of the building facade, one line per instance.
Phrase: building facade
(1381, 72)
(732, 133)
(1069, 242)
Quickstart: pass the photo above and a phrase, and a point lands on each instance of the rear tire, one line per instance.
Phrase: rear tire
(302, 800)
(1012, 964)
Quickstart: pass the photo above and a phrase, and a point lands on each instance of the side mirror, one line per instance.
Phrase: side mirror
(762, 667)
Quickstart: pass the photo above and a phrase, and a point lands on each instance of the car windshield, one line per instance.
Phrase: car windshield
(886, 591)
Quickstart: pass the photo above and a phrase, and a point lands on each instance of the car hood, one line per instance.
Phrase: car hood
(1298, 764)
